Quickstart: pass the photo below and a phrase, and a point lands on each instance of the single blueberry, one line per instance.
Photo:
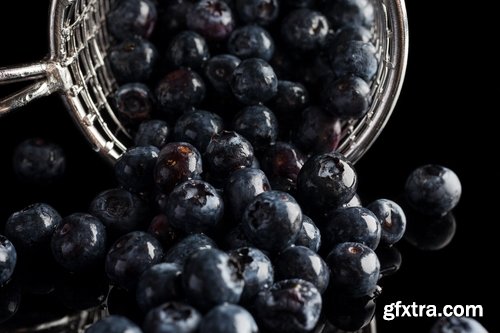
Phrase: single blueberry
(258, 125)
(172, 317)
(349, 33)
(309, 235)
(172, 16)
(354, 58)
(319, 132)
(392, 220)
(305, 29)
(130, 256)
(210, 278)
(163, 230)
(457, 325)
(254, 81)
(290, 100)
(251, 41)
(153, 132)
(113, 324)
(197, 128)
(133, 60)
(188, 49)
(187, 246)
(257, 11)
(228, 318)
(134, 170)
(8, 259)
(131, 18)
(218, 71)
(346, 98)
(134, 103)
(79, 242)
(349, 12)
(159, 284)
(213, 19)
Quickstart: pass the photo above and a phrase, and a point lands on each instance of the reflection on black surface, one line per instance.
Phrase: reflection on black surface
(430, 233)
(350, 313)
(10, 299)
(390, 260)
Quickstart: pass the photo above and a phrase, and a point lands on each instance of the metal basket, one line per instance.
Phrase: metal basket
(78, 70)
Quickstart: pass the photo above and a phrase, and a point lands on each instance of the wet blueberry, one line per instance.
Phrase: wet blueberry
(159, 284)
(354, 58)
(186, 247)
(163, 230)
(305, 29)
(197, 127)
(134, 102)
(258, 125)
(31, 228)
(188, 49)
(352, 224)
(177, 162)
(350, 33)
(213, 19)
(131, 18)
(79, 242)
(120, 210)
(135, 168)
(228, 318)
(194, 206)
(349, 12)
(289, 306)
(172, 16)
(326, 182)
(8, 259)
(257, 270)
(254, 81)
(290, 100)
(457, 325)
(180, 90)
(153, 132)
(355, 269)
(251, 41)
(309, 235)
(242, 187)
(235, 238)
(210, 278)
(114, 324)
(257, 11)
(133, 60)
(272, 221)
(299, 262)
(430, 233)
(218, 71)
(172, 317)
(392, 220)
(318, 132)
(130, 256)
(433, 189)
(39, 161)
(346, 98)
(227, 152)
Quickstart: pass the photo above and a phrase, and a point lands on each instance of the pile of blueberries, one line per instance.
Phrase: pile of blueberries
(233, 212)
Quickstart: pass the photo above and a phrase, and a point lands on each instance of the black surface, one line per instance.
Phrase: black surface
(439, 119)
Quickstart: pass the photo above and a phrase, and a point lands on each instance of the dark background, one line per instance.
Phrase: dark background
(439, 119)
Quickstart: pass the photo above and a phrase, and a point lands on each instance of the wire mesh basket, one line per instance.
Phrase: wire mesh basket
(77, 69)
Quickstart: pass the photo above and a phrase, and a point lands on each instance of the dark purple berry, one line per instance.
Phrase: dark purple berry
(318, 132)
(392, 220)
(188, 49)
(348, 97)
(290, 100)
(186, 247)
(172, 317)
(218, 71)
(134, 103)
(135, 168)
(133, 60)
(354, 58)
(251, 41)
(131, 18)
(349, 12)
(254, 81)
(257, 11)
(163, 230)
(228, 318)
(153, 132)
(258, 125)
(198, 127)
(305, 29)
(213, 19)
(159, 284)
(309, 235)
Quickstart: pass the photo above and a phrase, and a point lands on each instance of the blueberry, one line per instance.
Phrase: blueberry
(392, 220)
(119, 210)
(282, 163)
(153, 132)
(130, 256)
(113, 324)
(305, 29)
(319, 132)
(299, 262)
(257, 270)
(227, 152)
(186, 247)
(8, 259)
(289, 306)
(272, 221)
(210, 278)
(290, 100)
(349, 12)
(218, 71)
(457, 325)
(350, 33)
(79, 242)
(172, 16)
(177, 162)
(228, 318)
(352, 224)
(31, 228)
(242, 187)
(163, 230)
(257, 11)
(326, 181)
(39, 161)
(197, 127)
(254, 81)
(130, 18)
(172, 317)
(251, 41)
(194, 206)
(134, 103)
(180, 90)
(133, 60)
(258, 125)
(157, 285)
(430, 233)
(348, 97)
(309, 235)
(188, 49)
(355, 269)
(134, 170)
(354, 58)
(213, 19)
(433, 189)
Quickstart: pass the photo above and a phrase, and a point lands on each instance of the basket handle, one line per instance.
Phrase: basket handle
(44, 73)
